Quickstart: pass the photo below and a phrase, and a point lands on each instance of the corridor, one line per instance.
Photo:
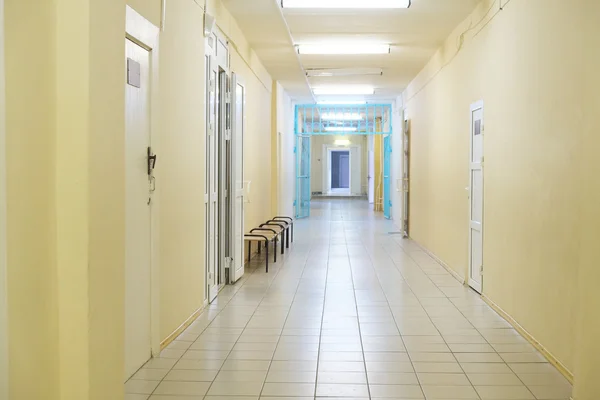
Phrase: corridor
(352, 311)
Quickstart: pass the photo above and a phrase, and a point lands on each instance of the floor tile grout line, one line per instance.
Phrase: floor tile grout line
(323, 311)
(208, 326)
(474, 327)
(371, 261)
(283, 259)
(429, 317)
(442, 336)
(362, 345)
(283, 326)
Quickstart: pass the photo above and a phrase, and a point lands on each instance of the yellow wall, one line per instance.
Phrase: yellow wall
(526, 66)
(587, 367)
(150, 9)
(65, 185)
(31, 274)
(378, 186)
(180, 169)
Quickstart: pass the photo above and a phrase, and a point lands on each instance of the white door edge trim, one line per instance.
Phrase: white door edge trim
(144, 33)
(3, 289)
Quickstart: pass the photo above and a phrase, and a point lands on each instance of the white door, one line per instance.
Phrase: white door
(406, 179)
(476, 198)
(355, 171)
(138, 206)
(344, 171)
(237, 182)
(212, 168)
(224, 177)
(371, 168)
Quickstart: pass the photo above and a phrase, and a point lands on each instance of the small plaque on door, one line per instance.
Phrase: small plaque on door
(134, 73)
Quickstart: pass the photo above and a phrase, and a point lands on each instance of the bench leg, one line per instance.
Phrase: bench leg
(282, 242)
(292, 232)
(275, 251)
(267, 257)
(287, 237)
(249, 249)
(259, 246)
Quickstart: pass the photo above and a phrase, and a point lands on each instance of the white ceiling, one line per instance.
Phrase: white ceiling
(415, 34)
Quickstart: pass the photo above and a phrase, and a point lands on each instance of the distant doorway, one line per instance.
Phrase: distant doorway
(340, 170)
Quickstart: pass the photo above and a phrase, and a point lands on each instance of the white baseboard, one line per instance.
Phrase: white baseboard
(452, 272)
(182, 327)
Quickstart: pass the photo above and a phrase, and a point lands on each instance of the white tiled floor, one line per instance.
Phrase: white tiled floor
(351, 311)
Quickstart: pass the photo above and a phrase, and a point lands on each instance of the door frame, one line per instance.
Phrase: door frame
(371, 169)
(478, 287)
(142, 32)
(3, 272)
(328, 150)
(215, 60)
(235, 81)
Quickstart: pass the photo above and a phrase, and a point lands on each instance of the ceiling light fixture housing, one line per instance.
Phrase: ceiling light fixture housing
(341, 129)
(332, 116)
(318, 73)
(342, 103)
(347, 4)
(343, 49)
(343, 90)
(342, 142)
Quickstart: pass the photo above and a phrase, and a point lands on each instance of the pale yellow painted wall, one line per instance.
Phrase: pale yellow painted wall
(526, 65)
(180, 169)
(66, 191)
(150, 9)
(30, 140)
(317, 162)
(587, 366)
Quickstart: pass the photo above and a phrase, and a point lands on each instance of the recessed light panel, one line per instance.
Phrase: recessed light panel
(348, 4)
(343, 49)
(344, 90)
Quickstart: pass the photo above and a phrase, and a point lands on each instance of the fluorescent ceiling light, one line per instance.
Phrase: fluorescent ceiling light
(341, 103)
(345, 3)
(341, 129)
(313, 73)
(344, 90)
(342, 142)
(341, 117)
(343, 48)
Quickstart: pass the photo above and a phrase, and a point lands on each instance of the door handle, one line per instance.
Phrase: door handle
(151, 161)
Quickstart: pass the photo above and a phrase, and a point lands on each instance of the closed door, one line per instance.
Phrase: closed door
(345, 171)
(476, 199)
(371, 169)
(237, 145)
(138, 207)
(355, 170)
(239, 104)
(406, 179)
(224, 178)
(303, 193)
(387, 176)
(212, 167)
